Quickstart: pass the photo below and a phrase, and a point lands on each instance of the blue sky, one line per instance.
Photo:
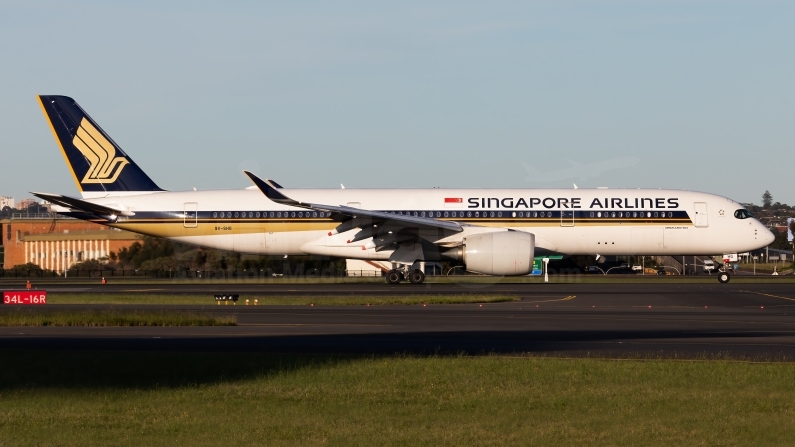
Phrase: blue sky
(696, 95)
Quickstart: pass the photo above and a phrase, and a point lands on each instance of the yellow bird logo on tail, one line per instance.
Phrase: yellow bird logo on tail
(100, 153)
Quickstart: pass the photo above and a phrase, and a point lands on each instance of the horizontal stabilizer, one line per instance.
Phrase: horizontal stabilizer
(82, 205)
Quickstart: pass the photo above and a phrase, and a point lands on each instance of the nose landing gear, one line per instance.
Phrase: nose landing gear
(723, 273)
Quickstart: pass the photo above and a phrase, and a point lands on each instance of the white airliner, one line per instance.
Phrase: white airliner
(492, 231)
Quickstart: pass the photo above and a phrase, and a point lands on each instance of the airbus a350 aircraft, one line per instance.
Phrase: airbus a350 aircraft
(492, 231)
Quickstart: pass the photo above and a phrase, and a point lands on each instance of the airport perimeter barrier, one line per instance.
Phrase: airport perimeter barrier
(199, 274)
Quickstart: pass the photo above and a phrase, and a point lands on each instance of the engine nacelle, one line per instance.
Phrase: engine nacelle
(501, 253)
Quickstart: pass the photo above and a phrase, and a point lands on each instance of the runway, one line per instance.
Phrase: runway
(691, 320)
(647, 285)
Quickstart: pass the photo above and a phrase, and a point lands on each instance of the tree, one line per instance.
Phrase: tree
(780, 242)
(151, 248)
(767, 199)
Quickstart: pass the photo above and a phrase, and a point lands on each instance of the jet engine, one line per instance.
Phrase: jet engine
(500, 253)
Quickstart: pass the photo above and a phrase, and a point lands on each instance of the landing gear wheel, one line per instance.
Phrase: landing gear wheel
(724, 277)
(416, 277)
(394, 277)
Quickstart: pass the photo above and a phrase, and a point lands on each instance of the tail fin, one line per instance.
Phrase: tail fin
(98, 164)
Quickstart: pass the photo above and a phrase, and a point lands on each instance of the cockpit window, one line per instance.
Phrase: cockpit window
(742, 214)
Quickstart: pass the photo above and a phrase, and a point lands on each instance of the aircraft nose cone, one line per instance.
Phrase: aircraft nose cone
(768, 237)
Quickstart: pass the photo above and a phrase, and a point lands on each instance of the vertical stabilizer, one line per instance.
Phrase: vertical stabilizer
(99, 166)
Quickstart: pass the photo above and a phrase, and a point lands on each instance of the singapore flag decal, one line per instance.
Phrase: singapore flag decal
(453, 202)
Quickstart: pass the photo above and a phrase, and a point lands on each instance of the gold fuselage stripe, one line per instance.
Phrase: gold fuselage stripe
(205, 227)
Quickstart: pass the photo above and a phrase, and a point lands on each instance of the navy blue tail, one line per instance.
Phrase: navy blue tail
(98, 164)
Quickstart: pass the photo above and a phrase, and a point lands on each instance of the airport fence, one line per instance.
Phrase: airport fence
(191, 274)
(208, 274)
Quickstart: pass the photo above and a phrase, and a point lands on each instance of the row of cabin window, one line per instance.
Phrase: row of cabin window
(286, 214)
(276, 214)
(458, 214)
(470, 214)
(636, 214)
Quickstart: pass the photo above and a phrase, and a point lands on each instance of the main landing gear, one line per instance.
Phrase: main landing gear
(395, 276)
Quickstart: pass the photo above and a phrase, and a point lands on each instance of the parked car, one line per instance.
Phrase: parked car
(709, 266)
(592, 269)
(661, 270)
(637, 268)
(624, 265)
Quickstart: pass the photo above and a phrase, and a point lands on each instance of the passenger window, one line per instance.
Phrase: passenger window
(535, 214)
(469, 213)
(292, 214)
(499, 213)
(215, 214)
(477, 214)
(446, 214)
(236, 214)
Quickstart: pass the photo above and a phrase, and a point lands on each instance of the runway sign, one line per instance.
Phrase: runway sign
(25, 297)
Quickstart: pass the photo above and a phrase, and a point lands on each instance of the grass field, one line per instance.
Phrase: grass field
(332, 300)
(200, 399)
(105, 317)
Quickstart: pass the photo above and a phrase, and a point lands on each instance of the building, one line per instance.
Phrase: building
(25, 203)
(6, 201)
(55, 243)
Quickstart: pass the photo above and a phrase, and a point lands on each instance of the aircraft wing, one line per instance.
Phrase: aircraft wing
(357, 217)
(82, 205)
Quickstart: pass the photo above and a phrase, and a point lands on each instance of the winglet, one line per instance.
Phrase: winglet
(271, 191)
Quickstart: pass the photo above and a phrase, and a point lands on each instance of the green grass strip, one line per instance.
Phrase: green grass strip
(266, 300)
(25, 317)
(210, 399)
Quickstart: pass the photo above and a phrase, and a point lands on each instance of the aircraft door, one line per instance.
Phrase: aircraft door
(701, 214)
(190, 216)
(567, 218)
